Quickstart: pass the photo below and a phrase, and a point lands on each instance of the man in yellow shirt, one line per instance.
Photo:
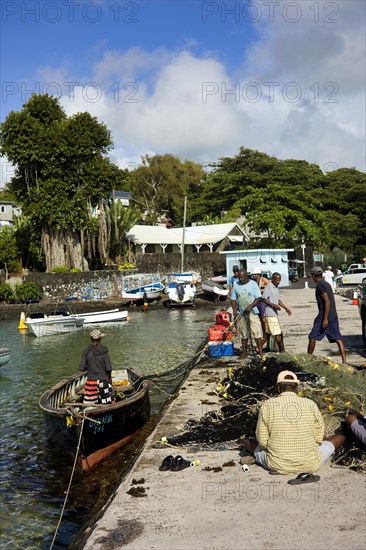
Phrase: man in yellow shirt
(290, 431)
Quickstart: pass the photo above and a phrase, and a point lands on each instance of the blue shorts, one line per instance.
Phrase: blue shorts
(331, 332)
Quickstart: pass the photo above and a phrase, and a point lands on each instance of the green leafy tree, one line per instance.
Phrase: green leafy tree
(285, 216)
(343, 195)
(62, 175)
(9, 252)
(160, 184)
(122, 219)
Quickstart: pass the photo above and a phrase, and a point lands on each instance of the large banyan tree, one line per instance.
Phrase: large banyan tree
(62, 179)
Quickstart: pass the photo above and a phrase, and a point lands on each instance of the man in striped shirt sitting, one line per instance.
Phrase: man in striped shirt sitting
(290, 431)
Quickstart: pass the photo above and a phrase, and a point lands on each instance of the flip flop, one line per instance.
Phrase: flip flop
(180, 463)
(167, 463)
(303, 478)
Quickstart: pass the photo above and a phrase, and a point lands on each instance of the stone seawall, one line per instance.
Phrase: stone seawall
(100, 285)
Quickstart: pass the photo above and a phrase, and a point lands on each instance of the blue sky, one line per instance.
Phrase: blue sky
(197, 79)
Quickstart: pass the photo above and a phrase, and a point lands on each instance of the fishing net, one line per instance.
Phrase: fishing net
(168, 382)
(334, 388)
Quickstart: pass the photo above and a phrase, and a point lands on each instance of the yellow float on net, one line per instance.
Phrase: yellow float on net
(69, 421)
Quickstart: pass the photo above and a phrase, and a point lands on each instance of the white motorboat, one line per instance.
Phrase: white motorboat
(181, 293)
(41, 324)
(108, 316)
(215, 289)
(188, 277)
(5, 354)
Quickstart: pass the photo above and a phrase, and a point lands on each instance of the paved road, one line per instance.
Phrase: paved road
(304, 309)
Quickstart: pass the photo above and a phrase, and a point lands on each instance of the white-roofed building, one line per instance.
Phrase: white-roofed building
(201, 238)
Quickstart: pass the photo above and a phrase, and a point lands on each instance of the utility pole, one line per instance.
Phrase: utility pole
(183, 234)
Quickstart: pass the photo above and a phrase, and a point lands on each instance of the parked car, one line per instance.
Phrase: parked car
(362, 309)
(353, 277)
(356, 266)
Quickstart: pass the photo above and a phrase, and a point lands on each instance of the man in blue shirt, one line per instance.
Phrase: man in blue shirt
(244, 299)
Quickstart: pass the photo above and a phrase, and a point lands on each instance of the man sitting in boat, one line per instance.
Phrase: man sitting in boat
(96, 361)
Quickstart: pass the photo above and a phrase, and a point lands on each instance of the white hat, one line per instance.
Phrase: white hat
(329, 267)
(287, 376)
(96, 334)
(257, 271)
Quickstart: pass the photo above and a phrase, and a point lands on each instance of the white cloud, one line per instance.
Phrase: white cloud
(155, 100)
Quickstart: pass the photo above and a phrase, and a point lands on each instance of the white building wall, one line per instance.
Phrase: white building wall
(268, 260)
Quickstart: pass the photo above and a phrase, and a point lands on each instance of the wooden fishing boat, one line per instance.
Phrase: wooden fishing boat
(5, 354)
(101, 429)
(215, 289)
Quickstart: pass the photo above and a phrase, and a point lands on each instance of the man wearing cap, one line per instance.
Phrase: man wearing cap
(261, 281)
(244, 299)
(273, 327)
(96, 361)
(290, 431)
(326, 323)
(329, 276)
(234, 278)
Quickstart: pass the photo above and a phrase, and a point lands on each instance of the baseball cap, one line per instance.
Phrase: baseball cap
(287, 376)
(96, 334)
(329, 267)
(317, 270)
(236, 268)
(256, 271)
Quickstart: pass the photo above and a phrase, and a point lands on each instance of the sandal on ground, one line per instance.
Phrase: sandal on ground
(180, 463)
(167, 463)
(303, 478)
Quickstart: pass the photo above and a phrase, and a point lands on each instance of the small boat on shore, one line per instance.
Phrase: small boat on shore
(5, 354)
(150, 292)
(63, 321)
(97, 317)
(181, 293)
(41, 324)
(101, 429)
(215, 289)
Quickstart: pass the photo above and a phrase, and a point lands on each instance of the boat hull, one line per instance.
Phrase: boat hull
(106, 428)
(214, 289)
(152, 292)
(4, 356)
(181, 293)
(103, 317)
(52, 326)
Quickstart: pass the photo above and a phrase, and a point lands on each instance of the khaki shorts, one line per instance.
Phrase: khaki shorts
(249, 325)
(273, 326)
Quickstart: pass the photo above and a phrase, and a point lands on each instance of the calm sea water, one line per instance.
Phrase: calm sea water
(34, 475)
